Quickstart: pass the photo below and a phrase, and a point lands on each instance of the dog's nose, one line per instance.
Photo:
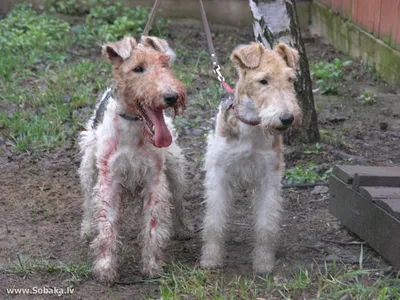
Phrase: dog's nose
(171, 99)
(287, 119)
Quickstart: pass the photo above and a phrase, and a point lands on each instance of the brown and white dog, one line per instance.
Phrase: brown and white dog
(246, 150)
(129, 143)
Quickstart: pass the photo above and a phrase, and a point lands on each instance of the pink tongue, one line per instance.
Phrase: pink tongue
(162, 136)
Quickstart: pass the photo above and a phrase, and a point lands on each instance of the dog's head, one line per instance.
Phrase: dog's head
(144, 82)
(266, 84)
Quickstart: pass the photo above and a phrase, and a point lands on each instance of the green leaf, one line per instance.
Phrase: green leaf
(347, 63)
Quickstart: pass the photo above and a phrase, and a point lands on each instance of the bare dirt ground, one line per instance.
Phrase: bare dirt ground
(40, 197)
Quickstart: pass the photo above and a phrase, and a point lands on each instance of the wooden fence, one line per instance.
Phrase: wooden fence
(379, 17)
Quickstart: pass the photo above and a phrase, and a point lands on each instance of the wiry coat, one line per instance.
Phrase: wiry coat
(117, 155)
(250, 157)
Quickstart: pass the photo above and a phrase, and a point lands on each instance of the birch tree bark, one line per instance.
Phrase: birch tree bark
(276, 21)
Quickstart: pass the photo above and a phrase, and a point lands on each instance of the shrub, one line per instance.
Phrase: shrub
(329, 75)
(368, 98)
(306, 174)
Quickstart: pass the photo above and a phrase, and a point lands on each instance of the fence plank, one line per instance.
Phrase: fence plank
(336, 5)
(346, 9)
(387, 30)
(397, 36)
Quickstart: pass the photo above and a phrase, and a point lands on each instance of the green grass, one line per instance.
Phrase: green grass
(46, 114)
(314, 282)
(25, 267)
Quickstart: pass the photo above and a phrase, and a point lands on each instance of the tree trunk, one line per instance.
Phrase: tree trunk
(276, 21)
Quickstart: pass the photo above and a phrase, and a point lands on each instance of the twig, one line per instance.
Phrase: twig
(344, 243)
(303, 185)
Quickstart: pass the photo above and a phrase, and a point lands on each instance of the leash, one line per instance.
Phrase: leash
(151, 18)
(217, 69)
(214, 60)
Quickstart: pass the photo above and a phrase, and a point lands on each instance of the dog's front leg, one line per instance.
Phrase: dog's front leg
(267, 216)
(108, 204)
(218, 201)
(156, 227)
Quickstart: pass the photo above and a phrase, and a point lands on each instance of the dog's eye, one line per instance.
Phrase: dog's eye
(138, 69)
(264, 81)
(290, 80)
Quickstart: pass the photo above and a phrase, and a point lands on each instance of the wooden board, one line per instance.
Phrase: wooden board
(365, 218)
(390, 179)
(388, 198)
(367, 175)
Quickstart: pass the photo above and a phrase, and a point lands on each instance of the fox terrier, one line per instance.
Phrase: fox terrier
(129, 144)
(246, 150)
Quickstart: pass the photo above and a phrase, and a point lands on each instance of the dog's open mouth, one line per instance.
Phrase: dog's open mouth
(155, 124)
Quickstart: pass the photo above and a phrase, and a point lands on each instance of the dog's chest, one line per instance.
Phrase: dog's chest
(248, 163)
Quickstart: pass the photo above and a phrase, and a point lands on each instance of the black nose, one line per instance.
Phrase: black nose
(287, 119)
(171, 99)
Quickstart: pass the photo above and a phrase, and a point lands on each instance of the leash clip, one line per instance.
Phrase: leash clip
(217, 71)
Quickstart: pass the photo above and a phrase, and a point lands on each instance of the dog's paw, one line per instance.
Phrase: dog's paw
(151, 273)
(263, 262)
(212, 256)
(151, 269)
(105, 273)
(211, 261)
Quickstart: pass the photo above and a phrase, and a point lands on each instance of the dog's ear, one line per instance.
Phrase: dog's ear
(289, 54)
(248, 56)
(159, 45)
(117, 52)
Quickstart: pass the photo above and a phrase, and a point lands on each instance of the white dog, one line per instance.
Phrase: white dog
(246, 150)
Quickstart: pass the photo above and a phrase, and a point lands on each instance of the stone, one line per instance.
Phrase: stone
(320, 189)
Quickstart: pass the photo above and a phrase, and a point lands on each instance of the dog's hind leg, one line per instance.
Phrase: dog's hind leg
(218, 201)
(175, 172)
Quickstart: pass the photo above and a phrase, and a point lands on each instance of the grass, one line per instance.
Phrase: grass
(46, 114)
(26, 267)
(326, 281)
(316, 281)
